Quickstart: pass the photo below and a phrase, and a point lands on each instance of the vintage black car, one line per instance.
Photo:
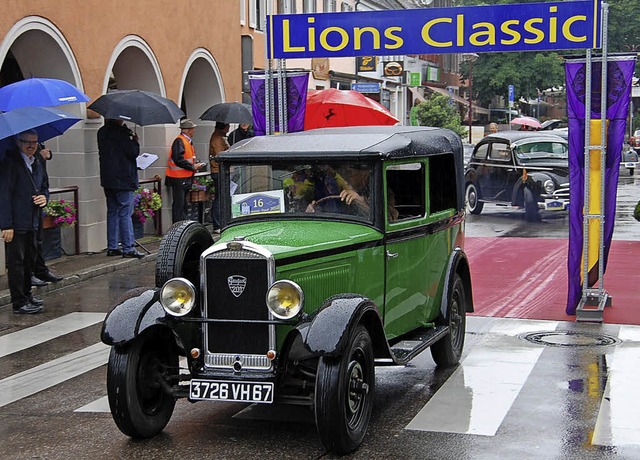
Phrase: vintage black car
(341, 249)
(519, 168)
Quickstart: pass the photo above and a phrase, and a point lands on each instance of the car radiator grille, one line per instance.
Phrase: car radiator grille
(236, 285)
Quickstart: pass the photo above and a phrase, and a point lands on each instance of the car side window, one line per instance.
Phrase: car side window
(405, 191)
(481, 152)
(442, 183)
(500, 152)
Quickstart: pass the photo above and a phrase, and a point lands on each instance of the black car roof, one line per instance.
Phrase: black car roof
(519, 137)
(352, 142)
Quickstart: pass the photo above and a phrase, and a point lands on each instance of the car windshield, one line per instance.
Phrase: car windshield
(273, 189)
(541, 150)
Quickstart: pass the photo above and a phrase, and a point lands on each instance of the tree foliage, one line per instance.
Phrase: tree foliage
(529, 71)
(492, 74)
(624, 26)
(438, 112)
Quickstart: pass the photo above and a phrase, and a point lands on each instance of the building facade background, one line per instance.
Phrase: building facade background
(196, 53)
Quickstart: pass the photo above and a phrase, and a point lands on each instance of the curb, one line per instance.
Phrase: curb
(83, 275)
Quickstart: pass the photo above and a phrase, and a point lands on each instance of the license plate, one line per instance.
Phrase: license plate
(554, 205)
(629, 165)
(221, 390)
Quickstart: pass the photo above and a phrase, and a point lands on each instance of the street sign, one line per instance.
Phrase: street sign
(366, 87)
(511, 95)
(415, 79)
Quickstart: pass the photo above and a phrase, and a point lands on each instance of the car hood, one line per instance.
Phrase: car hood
(558, 166)
(288, 238)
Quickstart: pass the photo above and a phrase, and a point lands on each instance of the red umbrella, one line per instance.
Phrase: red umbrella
(527, 121)
(331, 107)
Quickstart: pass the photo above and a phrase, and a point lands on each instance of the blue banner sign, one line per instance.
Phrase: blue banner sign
(472, 29)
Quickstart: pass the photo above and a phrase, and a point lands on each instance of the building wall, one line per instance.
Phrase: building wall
(185, 51)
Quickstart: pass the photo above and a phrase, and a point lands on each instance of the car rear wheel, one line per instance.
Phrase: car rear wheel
(180, 250)
(472, 198)
(344, 395)
(139, 404)
(531, 211)
(447, 351)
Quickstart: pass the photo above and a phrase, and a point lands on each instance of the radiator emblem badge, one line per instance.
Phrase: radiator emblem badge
(237, 284)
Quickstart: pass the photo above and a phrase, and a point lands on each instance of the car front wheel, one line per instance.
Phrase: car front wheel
(139, 404)
(472, 198)
(344, 395)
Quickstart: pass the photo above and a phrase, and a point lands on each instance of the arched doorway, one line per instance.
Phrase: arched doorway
(202, 87)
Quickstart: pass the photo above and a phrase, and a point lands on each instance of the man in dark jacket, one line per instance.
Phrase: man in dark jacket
(24, 190)
(118, 149)
(241, 133)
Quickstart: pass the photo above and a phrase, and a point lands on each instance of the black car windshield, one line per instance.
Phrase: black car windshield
(541, 150)
(273, 189)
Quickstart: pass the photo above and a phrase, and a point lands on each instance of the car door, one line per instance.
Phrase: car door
(415, 254)
(498, 167)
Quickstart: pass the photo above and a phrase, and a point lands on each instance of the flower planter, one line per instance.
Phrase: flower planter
(196, 196)
(47, 222)
(138, 229)
(51, 243)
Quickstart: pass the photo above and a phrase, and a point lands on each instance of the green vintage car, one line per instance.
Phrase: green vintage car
(341, 249)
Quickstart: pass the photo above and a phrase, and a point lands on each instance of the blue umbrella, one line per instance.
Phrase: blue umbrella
(47, 92)
(47, 122)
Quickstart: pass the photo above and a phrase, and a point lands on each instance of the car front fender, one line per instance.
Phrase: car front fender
(459, 264)
(136, 311)
(327, 332)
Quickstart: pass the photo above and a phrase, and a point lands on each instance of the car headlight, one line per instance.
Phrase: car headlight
(549, 186)
(285, 299)
(178, 296)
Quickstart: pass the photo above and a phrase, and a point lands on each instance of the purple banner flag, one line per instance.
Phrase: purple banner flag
(296, 102)
(619, 74)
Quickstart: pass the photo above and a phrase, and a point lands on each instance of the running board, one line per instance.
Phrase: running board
(413, 344)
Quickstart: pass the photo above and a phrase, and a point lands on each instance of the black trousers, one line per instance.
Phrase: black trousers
(179, 204)
(21, 259)
(40, 269)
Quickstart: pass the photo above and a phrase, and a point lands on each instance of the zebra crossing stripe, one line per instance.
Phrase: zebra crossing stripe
(99, 405)
(52, 373)
(486, 383)
(618, 423)
(29, 337)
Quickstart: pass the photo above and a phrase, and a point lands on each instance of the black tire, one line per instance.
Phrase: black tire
(447, 351)
(139, 405)
(531, 211)
(631, 171)
(472, 199)
(344, 395)
(180, 250)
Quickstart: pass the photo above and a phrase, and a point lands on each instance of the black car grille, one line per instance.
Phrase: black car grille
(236, 285)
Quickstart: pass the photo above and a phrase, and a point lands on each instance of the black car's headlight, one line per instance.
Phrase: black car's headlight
(285, 299)
(178, 296)
(549, 186)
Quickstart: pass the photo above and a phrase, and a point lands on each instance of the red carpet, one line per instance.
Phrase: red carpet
(527, 278)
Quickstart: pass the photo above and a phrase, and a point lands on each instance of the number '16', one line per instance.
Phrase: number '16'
(258, 203)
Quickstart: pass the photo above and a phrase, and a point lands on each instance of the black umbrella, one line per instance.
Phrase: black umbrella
(140, 107)
(228, 112)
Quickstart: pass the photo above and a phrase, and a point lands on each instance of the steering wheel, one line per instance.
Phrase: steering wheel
(316, 206)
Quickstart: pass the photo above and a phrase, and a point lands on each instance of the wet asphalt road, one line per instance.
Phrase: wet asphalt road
(568, 397)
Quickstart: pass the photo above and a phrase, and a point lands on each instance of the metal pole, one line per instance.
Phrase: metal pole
(603, 149)
(587, 177)
(470, 99)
